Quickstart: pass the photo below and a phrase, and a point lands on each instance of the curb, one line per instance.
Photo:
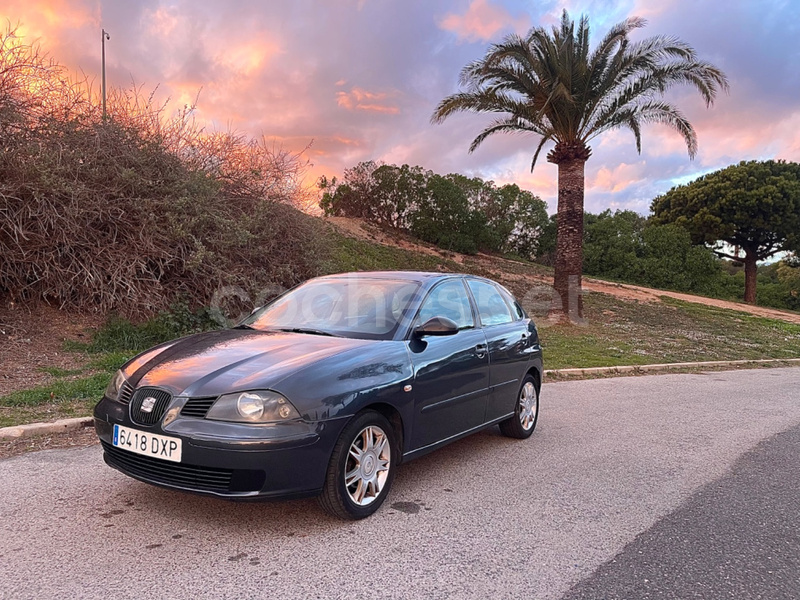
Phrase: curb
(23, 431)
(668, 366)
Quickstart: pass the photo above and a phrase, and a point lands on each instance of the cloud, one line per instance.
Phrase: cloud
(482, 21)
(618, 178)
(361, 79)
(360, 99)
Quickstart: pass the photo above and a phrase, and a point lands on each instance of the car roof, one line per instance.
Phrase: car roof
(409, 275)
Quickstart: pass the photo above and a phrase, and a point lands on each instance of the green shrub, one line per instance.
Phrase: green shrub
(120, 335)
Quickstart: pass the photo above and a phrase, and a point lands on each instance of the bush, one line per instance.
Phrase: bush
(625, 246)
(670, 261)
(121, 335)
(628, 247)
(132, 212)
(613, 245)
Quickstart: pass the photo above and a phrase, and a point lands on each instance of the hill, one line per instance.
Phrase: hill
(56, 363)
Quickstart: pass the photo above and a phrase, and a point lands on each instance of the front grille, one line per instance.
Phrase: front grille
(125, 393)
(169, 473)
(190, 477)
(141, 417)
(197, 407)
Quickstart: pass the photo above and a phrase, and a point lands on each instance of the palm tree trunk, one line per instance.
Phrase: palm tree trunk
(569, 240)
(750, 276)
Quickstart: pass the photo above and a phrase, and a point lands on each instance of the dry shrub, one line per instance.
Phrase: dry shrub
(131, 212)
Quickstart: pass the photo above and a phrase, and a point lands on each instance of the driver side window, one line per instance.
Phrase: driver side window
(448, 299)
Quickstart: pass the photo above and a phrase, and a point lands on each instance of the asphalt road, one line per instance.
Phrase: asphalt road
(666, 486)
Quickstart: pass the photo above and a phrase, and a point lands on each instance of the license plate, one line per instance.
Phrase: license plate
(147, 444)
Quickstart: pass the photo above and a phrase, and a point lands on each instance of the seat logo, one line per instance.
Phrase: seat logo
(148, 404)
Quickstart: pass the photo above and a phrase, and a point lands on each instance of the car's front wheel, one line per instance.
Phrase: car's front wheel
(526, 411)
(361, 469)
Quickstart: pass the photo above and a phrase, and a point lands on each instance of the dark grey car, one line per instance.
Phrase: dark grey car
(326, 390)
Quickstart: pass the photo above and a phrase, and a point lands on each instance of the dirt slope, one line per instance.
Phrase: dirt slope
(507, 269)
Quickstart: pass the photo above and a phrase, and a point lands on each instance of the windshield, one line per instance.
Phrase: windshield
(355, 307)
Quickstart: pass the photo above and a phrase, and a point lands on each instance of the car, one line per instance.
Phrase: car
(326, 390)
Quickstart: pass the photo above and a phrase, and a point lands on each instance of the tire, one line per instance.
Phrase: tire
(526, 411)
(354, 489)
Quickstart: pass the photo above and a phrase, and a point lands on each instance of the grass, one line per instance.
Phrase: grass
(617, 332)
(620, 332)
(58, 400)
(350, 254)
(61, 390)
(59, 372)
(74, 392)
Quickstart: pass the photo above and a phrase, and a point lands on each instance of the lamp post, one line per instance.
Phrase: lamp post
(103, 38)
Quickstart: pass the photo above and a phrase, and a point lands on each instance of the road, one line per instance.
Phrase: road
(667, 486)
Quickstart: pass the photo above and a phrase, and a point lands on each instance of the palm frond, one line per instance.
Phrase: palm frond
(542, 142)
(510, 124)
(485, 101)
(652, 112)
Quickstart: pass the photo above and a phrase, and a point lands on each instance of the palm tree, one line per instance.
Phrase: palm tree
(551, 84)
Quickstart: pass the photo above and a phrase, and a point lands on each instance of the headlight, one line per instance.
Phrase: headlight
(115, 385)
(263, 406)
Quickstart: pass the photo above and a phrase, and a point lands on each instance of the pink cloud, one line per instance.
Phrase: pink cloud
(618, 178)
(482, 22)
(270, 69)
(360, 99)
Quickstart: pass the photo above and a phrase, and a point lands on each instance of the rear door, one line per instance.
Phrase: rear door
(451, 373)
(508, 338)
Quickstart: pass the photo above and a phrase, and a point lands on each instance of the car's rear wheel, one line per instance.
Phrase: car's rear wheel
(362, 467)
(526, 411)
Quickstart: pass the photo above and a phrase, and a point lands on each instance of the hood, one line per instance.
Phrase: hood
(218, 362)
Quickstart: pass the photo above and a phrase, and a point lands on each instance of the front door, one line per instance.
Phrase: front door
(451, 373)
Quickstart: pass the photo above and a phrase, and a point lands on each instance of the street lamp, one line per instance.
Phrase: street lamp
(103, 38)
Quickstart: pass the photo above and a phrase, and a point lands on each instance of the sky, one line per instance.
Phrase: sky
(354, 80)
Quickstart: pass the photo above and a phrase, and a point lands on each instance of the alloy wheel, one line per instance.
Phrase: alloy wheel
(368, 464)
(528, 406)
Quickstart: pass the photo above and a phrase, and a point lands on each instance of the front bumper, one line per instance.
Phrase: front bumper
(229, 460)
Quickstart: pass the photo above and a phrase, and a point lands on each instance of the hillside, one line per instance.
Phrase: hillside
(510, 272)
(48, 368)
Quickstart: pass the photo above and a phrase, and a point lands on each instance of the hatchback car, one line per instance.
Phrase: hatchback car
(326, 390)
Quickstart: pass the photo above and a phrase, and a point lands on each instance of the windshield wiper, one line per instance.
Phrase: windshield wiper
(307, 330)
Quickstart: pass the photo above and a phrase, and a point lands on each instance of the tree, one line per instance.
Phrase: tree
(526, 220)
(353, 198)
(453, 211)
(613, 244)
(446, 219)
(550, 84)
(398, 191)
(754, 206)
(625, 246)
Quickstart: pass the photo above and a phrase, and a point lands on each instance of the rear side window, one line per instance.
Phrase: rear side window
(448, 299)
(516, 309)
(491, 306)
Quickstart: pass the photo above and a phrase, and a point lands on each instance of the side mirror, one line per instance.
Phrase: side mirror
(436, 326)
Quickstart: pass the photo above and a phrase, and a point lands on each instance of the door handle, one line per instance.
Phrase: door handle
(480, 350)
